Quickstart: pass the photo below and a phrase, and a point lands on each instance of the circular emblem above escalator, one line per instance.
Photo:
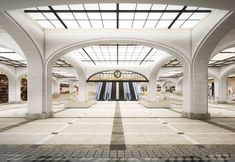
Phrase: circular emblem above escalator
(117, 74)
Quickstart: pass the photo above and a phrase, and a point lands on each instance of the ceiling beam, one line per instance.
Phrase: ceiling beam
(117, 15)
(55, 13)
(176, 18)
(146, 56)
(89, 56)
(120, 11)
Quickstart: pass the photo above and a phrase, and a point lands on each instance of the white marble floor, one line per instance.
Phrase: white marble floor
(95, 125)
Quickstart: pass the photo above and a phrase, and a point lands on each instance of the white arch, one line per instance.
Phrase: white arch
(167, 80)
(78, 45)
(34, 56)
(69, 48)
(213, 73)
(225, 71)
(227, 42)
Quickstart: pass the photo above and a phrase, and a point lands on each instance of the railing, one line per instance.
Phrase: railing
(179, 96)
(213, 99)
(168, 95)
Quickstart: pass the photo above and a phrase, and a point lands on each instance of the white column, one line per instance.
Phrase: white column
(83, 96)
(18, 91)
(71, 87)
(152, 90)
(221, 89)
(55, 88)
(11, 90)
(178, 87)
(39, 102)
(195, 100)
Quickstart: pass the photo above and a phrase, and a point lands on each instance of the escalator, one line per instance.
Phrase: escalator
(102, 92)
(121, 92)
(113, 92)
(132, 91)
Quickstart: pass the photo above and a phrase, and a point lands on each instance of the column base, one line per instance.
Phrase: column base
(196, 116)
(39, 116)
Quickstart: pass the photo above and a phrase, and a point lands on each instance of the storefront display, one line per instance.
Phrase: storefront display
(3, 88)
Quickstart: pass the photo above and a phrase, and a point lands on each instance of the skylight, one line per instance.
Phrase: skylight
(10, 57)
(226, 57)
(172, 74)
(117, 54)
(62, 74)
(117, 16)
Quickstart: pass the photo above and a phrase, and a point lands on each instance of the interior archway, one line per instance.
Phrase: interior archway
(4, 88)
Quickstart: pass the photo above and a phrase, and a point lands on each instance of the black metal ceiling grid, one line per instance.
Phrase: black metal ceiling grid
(62, 63)
(11, 62)
(117, 11)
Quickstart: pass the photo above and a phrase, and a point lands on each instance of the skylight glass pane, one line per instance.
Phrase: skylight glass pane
(222, 56)
(229, 50)
(150, 24)
(76, 7)
(144, 6)
(80, 16)
(84, 24)
(91, 6)
(12, 56)
(57, 24)
(112, 49)
(125, 24)
(185, 16)
(107, 6)
(158, 7)
(163, 24)
(60, 7)
(96, 24)
(138, 24)
(198, 16)
(177, 24)
(110, 24)
(109, 16)
(122, 49)
(191, 8)
(45, 24)
(5, 50)
(94, 16)
(71, 24)
(126, 16)
(141, 16)
(169, 16)
(127, 6)
(154, 16)
(66, 16)
(189, 24)
(49, 15)
(174, 7)
(43, 8)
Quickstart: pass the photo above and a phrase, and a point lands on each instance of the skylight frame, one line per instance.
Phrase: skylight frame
(120, 21)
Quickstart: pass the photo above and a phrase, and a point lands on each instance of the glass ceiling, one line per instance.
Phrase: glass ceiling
(172, 74)
(226, 57)
(117, 54)
(115, 16)
(62, 74)
(10, 57)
